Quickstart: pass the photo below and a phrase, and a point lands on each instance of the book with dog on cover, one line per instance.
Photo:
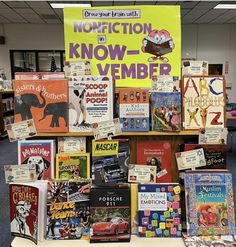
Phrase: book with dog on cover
(90, 101)
(72, 166)
(28, 210)
(46, 101)
(39, 153)
(209, 203)
(68, 209)
(110, 213)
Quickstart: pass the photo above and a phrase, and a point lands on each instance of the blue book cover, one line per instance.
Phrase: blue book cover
(166, 111)
(159, 212)
(209, 203)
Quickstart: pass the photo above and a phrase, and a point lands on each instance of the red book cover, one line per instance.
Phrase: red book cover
(215, 154)
(46, 101)
(24, 211)
(156, 153)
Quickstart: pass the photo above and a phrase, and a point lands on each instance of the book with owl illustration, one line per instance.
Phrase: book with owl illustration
(46, 101)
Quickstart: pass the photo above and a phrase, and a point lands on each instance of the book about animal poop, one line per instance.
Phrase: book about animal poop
(46, 101)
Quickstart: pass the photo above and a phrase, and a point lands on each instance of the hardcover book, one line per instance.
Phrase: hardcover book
(209, 203)
(39, 75)
(110, 213)
(72, 166)
(134, 208)
(203, 102)
(39, 153)
(156, 153)
(166, 111)
(90, 101)
(110, 161)
(46, 101)
(68, 209)
(28, 210)
(215, 155)
(70, 144)
(159, 212)
(134, 109)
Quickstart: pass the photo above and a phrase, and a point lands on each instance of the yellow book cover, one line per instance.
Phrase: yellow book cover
(71, 166)
(134, 208)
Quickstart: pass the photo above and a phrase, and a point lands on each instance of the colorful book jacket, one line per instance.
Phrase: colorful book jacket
(203, 102)
(215, 155)
(110, 213)
(71, 144)
(72, 166)
(39, 75)
(156, 153)
(110, 161)
(46, 101)
(134, 208)
(41, 154)
(166, 111)
(24, 203)
(68, 209)
(90, 101)
(134, 109)
(159, 212)
(209, 203)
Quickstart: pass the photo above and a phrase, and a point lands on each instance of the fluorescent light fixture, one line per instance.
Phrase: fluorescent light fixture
(63, 5)
(225, 6)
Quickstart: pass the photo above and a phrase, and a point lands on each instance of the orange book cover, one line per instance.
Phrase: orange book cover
(46, 101)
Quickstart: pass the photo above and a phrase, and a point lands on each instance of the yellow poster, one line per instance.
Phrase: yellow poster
(131, 43)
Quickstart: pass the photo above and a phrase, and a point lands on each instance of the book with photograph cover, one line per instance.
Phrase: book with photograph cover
(110, 213)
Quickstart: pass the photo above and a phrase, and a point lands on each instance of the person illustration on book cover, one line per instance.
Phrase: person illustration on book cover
(144, 122)
(158, 43)
(155, 162)
(203, 114)
(192, 116)
(19, 223)
(175, 117)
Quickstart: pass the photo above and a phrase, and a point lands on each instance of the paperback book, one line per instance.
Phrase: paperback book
(39, 153)
(209, 203)
(156, 153)
(28, 210)
(166, 111)
(90, 101)
(110, 213)
(72, 166)
(110, 161)
(159, 211)
(134, 109)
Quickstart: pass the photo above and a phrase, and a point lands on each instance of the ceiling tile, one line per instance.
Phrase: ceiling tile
(3, 6)
(38, 4)
(210, 16)
(16, 4)
(58, 21)
(184, 11)
(124, 3)
(35, 20)
(206, 4)
(47, 11)
(225, 17)
(188, 4)
(194, 14)
(24, 11)
(4, 20)
(145, 2)
(101, 3)
(7, 11)
(166, 2)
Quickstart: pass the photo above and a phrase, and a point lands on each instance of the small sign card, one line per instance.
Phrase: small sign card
(21, 130)
(70, 144)
(213, 136)
(165, 83)
(142, 173)
(190, 159)
(194, 67)
(107, 129)
(20, 173)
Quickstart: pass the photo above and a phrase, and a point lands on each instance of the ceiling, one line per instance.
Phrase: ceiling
(40, 12)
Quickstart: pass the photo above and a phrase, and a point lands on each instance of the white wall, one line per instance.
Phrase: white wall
(212, 42)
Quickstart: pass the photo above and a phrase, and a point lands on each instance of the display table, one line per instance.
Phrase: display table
(135, 241)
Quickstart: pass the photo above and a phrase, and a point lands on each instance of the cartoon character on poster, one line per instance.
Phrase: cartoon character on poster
(158, 43)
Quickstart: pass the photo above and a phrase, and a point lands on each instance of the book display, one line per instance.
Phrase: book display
(125, 147)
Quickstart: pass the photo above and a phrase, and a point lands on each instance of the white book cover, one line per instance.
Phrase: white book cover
(38, 152)
(90, 101)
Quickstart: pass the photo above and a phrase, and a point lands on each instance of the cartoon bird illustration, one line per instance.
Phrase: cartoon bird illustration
(158, 43)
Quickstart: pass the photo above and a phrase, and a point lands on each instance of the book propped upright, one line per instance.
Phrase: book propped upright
(28, 210)
(209, 203)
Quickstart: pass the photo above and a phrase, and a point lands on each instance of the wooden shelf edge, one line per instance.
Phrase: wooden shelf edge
(150, 133)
